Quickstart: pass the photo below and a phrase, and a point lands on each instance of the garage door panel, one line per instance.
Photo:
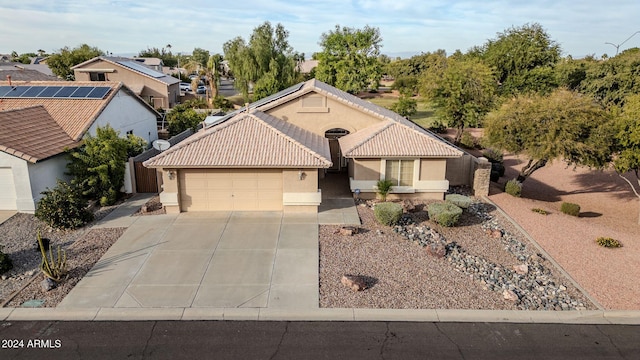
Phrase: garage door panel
(239, 189)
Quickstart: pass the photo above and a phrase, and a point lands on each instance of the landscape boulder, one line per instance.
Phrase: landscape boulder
(354, 282)
(437, 250)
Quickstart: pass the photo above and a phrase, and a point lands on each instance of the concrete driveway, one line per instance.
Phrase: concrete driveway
(220, 260)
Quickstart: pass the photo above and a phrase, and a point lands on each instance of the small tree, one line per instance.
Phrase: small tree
(564, 126)
(98, 167)
(62, 61)
(627, 144)
(405, 106)
(384, 186)
(183, 117)
(63, 207)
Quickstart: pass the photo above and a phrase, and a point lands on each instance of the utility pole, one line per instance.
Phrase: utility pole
(618, 46)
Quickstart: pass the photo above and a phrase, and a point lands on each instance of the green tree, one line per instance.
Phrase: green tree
(22, 58)
(349, 58)
(183, 117)
(562, 126)
(523, 58)
(405, 106)
(626, 159)
(266, 62)
(611, 81)
(164, 54)
(462, 93)
(61, 62)
(98, 166)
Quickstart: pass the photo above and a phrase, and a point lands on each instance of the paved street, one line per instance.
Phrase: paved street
(318, 340)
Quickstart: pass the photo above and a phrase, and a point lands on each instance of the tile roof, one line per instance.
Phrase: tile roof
(74, 116)
(32, 134)
(25, 75)
(248, 140)
(392, 139)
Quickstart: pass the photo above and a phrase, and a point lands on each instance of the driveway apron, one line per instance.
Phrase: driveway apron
(216, 259)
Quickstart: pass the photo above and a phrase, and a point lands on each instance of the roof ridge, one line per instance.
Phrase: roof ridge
(383, 126)
(23, 108)
(289, 137)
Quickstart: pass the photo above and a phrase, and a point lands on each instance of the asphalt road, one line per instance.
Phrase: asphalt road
(314, 340)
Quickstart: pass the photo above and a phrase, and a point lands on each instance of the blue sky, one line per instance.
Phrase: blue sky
(581, 27)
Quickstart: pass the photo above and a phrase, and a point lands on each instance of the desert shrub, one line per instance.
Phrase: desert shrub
(570, 208)
(222, 103)
(458, 200)
(608, 242)
(63, 207)
(5, 262)
(498, 168)
(513, 187)
(405, 106)
(495, 176)
(540, 211)
(384, 186)
(493, 155)
(438, 127)
(445, 214)
(388, 213)
(467, 140)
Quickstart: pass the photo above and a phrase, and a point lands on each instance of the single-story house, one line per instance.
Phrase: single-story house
(40, 119)
(271, 154)
(158, 89)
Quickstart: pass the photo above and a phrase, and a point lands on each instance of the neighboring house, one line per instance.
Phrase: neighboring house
(271, 155)
(153, 63)
(16, 74)
(305, 67)
(40, 119)
(160, 90)
(40, 67)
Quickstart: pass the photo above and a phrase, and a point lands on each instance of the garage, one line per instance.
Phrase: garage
(230, 189)
(8, 194)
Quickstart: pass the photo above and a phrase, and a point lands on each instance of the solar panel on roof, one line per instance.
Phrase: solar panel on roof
(5, 89)
(49, 91)
(65, 92)
(81, 92)
(17, 91)
(98, 92)
(32, 91)
(141, 68)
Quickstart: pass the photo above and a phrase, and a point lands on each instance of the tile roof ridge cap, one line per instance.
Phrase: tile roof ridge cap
(383, 126)
(28, 107)
(288, 137)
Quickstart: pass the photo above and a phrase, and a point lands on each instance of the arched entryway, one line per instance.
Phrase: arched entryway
(339, 162)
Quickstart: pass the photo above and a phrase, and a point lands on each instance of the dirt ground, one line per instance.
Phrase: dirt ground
(608, 208)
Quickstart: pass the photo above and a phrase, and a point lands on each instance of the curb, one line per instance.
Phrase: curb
(593, 317)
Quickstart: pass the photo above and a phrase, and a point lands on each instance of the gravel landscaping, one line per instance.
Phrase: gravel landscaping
(477, 271)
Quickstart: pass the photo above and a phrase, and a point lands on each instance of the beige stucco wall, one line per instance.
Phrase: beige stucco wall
(291, 180)
(320, 119)
(169, 196)
(366, 169)
(433, 169)
(153, 88)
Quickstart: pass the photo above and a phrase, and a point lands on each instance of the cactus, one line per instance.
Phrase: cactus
(53, 268)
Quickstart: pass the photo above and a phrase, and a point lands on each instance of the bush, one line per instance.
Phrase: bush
(445, 214)
(5, 263)
(540, 211)
(498, 168)
(493, 155)
(467, 140)
(608, 242)
(388, 213)
(63, 207)
(513, 187)
(405, 106)
(460, 201)
(384, 186)
(570, 209)
(222, 103)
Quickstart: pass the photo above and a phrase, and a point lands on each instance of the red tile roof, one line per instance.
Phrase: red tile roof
(32, 134)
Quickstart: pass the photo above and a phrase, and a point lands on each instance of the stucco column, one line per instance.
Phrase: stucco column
(482, 177)
(169, 195)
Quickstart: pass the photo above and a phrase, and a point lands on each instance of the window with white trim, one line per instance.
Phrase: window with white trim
(400, 172)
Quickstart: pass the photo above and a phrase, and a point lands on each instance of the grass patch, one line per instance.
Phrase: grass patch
(236, 99)
(608, 242)
(425, 116)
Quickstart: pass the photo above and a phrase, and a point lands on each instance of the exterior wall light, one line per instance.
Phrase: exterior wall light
(171, 174)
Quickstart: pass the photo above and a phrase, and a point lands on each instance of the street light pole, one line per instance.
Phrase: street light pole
(618, 46)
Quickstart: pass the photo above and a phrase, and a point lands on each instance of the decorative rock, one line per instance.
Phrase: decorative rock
(354, 282)
(437, 250)
(510, 295)
(522, 269)
(379, 232)
(48, 284)
(348, 230)
(408, 206)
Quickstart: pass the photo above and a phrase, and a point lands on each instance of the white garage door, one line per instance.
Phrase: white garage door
(7, 190)
(230, 190)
